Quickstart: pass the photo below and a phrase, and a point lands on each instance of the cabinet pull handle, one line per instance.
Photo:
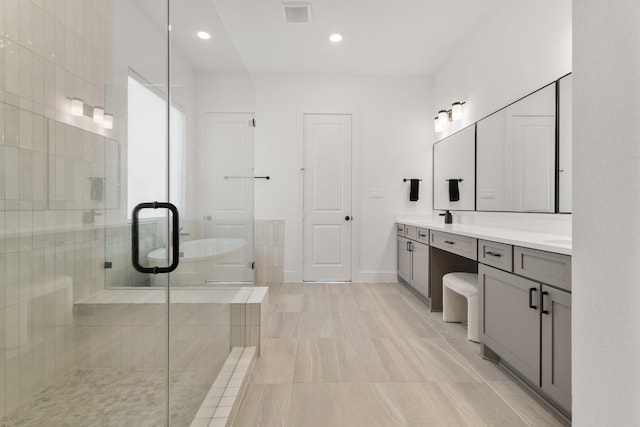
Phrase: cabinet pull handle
(399, 229)
(449, 242)
(409, 247)
(531, 291)
(421, 235)
(495, 254)
(542, 302)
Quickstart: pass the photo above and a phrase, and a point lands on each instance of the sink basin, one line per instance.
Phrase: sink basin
(559, 241)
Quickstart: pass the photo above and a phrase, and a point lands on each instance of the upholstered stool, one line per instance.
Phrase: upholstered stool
(460, 301)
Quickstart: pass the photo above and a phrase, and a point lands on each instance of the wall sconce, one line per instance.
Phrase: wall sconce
(96, 113)
(444, 116)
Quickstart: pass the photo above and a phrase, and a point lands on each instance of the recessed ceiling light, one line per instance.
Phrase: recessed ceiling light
(204, 35)
(336, 37)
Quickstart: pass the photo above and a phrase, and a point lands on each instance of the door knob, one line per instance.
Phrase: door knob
(347, 218)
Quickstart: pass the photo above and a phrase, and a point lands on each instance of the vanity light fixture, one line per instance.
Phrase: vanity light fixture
(77, 106)
(444, 116)
(98, 114)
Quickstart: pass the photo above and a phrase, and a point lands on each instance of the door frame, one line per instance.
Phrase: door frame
(298, 274)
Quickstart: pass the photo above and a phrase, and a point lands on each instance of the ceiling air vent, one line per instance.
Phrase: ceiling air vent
(297, 13)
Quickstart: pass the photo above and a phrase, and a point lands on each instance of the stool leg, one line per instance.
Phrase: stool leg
(473, 319)
(453, 306)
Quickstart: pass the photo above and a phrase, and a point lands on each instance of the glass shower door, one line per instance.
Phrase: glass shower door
(210, 137)
(228, 196)
(76, 130)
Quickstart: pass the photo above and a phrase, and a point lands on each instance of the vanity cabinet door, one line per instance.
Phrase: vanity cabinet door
(420, 268)
(510, 320)
(556, 345)
(404, 259)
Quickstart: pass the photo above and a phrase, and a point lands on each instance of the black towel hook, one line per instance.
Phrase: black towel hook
(455, 179)
(408, 179)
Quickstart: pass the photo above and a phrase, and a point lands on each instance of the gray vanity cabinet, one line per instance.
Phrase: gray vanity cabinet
(528, 325)
(404, 259)
(510, 319)
(556, 345)
(420, 268)
(413, 259)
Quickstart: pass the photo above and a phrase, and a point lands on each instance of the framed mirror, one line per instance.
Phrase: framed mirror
(516, 156)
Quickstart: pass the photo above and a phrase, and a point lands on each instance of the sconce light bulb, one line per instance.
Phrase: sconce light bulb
(77, 107)
(456, 111)
(107, 122)
(98, 114)
(443, 117)
(437, 123)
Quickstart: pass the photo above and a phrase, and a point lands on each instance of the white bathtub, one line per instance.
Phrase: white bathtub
(199, 260)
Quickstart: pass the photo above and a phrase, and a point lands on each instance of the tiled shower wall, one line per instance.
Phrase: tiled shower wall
(51, 250)
(269, 250)
(118, 252)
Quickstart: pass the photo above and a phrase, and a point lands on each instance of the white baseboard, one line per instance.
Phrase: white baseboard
(376, 277)
(292, 276)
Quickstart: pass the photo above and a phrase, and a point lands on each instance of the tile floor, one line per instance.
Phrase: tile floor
(372, 355)
(113, 398)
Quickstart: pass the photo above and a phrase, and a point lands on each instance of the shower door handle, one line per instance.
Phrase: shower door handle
(175, 237)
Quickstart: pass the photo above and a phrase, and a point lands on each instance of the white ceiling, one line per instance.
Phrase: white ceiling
(187, 17)
(386, 37)
(394, 37)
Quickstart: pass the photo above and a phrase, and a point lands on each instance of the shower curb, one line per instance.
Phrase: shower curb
(221, 404)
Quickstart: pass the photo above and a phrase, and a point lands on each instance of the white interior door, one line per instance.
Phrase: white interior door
(228, 198)
(327, 197)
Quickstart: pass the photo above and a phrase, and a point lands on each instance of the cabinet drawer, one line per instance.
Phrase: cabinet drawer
(546, 267)
(400, 229)
(460, 245)
(411, 232)
(423, 235)
(498, 255)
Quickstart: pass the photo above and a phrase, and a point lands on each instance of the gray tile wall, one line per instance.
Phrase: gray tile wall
(269, 248)
(50, 50)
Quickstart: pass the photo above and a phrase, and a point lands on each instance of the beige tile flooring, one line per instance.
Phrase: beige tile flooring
(372, 355)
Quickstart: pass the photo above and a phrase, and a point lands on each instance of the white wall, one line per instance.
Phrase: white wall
(606, 156)
(392, 141)
(520, 47)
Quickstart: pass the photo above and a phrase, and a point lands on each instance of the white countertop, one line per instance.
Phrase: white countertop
(543, 241)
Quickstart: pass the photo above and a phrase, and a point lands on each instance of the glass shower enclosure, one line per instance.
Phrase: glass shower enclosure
(108, 104)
